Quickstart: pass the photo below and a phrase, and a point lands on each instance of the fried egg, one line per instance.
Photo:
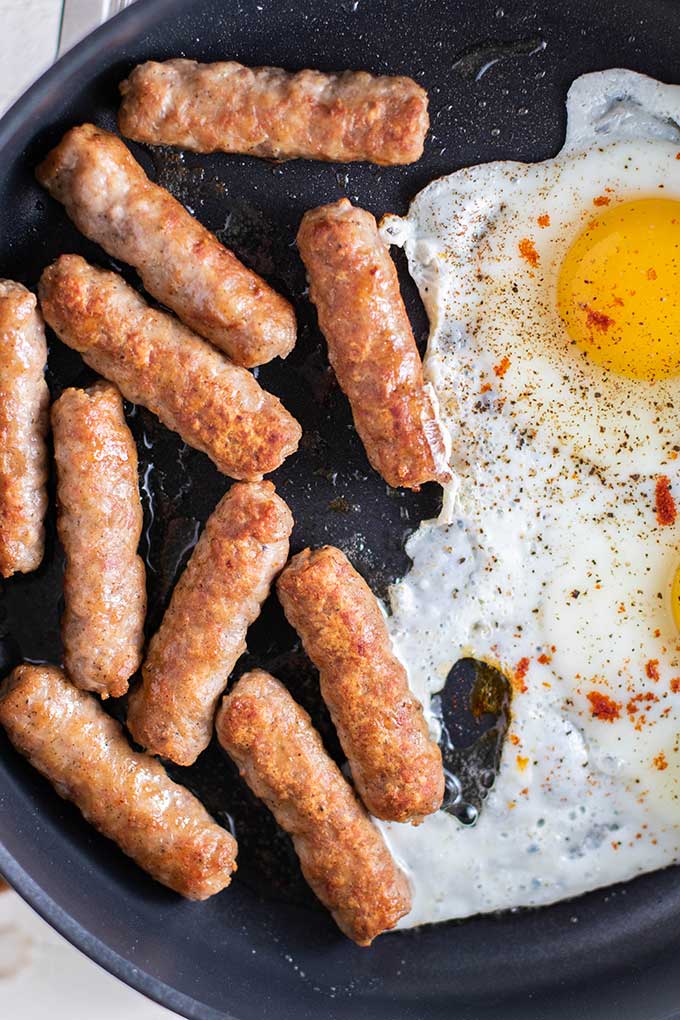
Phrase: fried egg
(552, 292)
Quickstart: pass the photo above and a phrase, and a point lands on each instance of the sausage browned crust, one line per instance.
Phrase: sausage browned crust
(265, 111)
(282, 759)
(70, 739)
(100, 523)
(396, 766)
(354, 285)
(243, 547)
(214, 405)
(24, 402)
(112, 201)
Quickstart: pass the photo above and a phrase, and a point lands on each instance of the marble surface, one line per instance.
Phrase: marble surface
(29, 31)
(41, 975)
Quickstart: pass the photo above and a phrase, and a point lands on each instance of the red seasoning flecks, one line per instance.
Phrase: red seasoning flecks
(652, 669)
(646, 697)
(675, 685)
(603, 707)
(521, 670)
(664, 506)
(527, 250)
(601, 200)
(543, 220)
(598, 320)
(660, 762)
(501, 368)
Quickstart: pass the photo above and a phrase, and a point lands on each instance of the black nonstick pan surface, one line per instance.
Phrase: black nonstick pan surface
(497, 72)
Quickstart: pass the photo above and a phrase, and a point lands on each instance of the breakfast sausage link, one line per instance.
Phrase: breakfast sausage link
(100, 523)
(214, 405)
(24, 402)
(354, 285)
(265, 111)
(282, 759)
(112, 201)
(242, 549)
(396, 766)
(68, 737)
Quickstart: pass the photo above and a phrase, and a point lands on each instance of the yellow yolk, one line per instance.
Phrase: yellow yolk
(619, 289)
(675, 598)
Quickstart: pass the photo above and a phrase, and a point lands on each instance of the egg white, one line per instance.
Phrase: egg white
(549, 553)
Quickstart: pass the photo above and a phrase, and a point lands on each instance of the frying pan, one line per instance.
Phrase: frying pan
(497, 77)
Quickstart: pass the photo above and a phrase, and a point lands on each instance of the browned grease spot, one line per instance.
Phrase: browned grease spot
(660, 762)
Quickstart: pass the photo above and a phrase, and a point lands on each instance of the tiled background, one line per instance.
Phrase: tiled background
(41, 976)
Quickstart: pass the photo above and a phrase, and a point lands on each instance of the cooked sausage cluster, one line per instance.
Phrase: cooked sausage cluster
(191, 370)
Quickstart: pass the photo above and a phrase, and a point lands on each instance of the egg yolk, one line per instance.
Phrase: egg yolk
(618, 291)
(675, 598)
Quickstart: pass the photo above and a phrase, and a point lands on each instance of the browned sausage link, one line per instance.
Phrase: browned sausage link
(354, 285)
(99, 523)
(242, 549)
(24, 401)
(342, 854)
(216, 406)
(111, 200)
(265, 111)
(67, 735)
(396, 766)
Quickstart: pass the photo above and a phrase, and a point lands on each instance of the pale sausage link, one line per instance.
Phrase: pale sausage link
(24, 402)
(99, 522)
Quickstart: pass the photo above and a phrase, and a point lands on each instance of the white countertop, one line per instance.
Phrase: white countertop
(41, 975)
(29, 30)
